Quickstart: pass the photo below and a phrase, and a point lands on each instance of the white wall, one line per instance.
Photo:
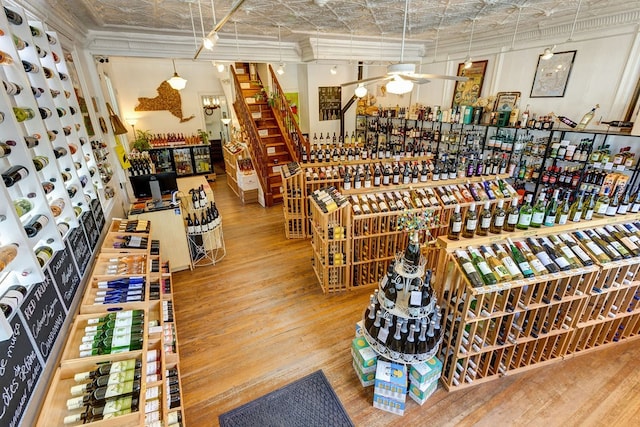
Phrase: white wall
(140, 77)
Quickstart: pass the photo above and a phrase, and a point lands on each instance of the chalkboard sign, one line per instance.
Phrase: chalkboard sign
(44, 315)
(65, 275)
(98, 214)
(20, 370)
(80, 247)
(90, 229)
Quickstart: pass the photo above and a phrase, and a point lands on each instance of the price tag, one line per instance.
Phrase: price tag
(597, 165)
(135, 242)
(620, 168)
(383, 334)
(608, 166)
(416, 298)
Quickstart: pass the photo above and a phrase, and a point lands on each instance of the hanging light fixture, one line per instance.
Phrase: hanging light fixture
(280, 69)
(220, 67)
(468, 62)
(176, 82)
(399, 86)
(334, 70)
(212, 38)
(548, 52)
(361, 91)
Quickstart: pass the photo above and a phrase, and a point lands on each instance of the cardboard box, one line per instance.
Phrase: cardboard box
(387, 404)
(363, 369)
(359, 326)
(366, 379)
(366, 355)
(391, 380)
(425, 372)
(421, 396)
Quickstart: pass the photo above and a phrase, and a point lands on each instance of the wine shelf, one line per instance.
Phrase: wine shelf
(576, 310)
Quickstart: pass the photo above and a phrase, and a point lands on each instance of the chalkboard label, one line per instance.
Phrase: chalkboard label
(65, 275)
(98, 214)
(20, 370)
(44, 315)
(90, 229)
(79, 245)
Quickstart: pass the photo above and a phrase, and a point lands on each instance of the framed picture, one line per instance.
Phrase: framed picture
(506, 101)
(330, 101)
(552, 75)
(467, 93)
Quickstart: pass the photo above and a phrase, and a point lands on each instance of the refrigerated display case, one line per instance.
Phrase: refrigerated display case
(184, 160)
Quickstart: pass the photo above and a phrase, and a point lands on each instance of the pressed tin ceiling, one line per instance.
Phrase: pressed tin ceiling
(447, 21)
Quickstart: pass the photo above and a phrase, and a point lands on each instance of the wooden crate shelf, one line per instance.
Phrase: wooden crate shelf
(498, 330)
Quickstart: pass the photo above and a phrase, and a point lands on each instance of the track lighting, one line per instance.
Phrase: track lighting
(210, 41)
(280, 69)
(468, 63)
(334, 70)
(220, 67)
(548, 53)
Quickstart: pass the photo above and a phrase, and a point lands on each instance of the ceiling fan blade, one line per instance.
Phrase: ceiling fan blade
(417, 79)
(441, 76)
(370, 79)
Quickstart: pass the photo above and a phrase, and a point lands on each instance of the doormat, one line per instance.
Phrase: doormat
(309, 401)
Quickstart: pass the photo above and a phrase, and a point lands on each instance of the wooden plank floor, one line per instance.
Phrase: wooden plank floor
(258, 320)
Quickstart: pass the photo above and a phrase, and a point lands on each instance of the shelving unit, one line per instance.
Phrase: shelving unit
(159, 337)
(580, 310)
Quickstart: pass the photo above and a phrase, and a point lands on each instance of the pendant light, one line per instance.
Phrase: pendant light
(211, 39)
(361, 91)
(548, 52)
(176, 82)
(468, 62)
(280, 69)
(397, 85)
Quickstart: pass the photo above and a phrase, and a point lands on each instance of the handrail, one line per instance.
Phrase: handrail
(294, 139)
(257, 151)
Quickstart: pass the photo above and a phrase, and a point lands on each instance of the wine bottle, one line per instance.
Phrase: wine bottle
(485, 220)
(613, 242)
(612, 209)
(609, 249)
(102, 393)
(37, 224)
(570, 255)
(589, 207)
(586, 119)
(107, 380)
(500, 271)
(469, 269)
(481, 265)
(622, 209)
(395, 344)
(538, 212)
(537, 266)
(555, 255)
(14, 174)
(455, 226)
(512, 216)
(525, 214)
(410, 344)
(627, 241)
(520, 259)
(552, 210)
(576, 249)
(592, 247)
(190, 227)
(602, 204)
(575, 211)
(497, 221)
(542, 255)
(508, 262)
(563, 217)
(108, 369)
(471, 222)
(635, 206)
(421, 347)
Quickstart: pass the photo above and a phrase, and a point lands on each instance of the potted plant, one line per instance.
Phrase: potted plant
(141, 143)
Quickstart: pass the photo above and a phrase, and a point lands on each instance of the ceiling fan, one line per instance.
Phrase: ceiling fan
(402, 76)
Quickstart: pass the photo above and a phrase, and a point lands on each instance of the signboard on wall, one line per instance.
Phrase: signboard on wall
(329, 102)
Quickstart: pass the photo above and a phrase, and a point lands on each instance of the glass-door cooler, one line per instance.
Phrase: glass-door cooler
(202, 159)
(182, 161)
(161, 158)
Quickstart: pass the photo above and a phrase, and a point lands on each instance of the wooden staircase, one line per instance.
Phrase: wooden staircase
(268, 145)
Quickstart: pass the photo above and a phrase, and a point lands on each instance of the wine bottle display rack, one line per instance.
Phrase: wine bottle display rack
(510, 327)
(159, 356)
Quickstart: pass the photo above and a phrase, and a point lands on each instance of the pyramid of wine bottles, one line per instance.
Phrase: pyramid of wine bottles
(402, 321)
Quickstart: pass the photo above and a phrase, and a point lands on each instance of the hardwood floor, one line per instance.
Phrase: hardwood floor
(258, 320)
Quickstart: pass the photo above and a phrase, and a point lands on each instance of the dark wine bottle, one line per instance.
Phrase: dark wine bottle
(14, 174)
(36, 225)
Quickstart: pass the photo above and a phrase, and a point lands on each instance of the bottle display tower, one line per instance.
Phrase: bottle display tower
(402, 322)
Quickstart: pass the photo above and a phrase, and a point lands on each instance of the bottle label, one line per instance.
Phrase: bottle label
(537, 265)
(485, 223)
(562, 262)
(611, 210)
(567, 252)
(499, 221)
(468, 268)
(588, 215)
(525, 267)
(601, 208)
(117, 405)
(635, 208)
(623, 209)
(416, 298)
(511, 266)
(501, 271)
(537, 217)
(544, 258)
(472, 224)
(118, 389)
(581, 254)
(577, 216)
(382, 335)
(593, 247)
(484, 268)
(550, 220)
(456, 227)
(629, 243)
(120, 341)
(563, 219)
(524, 219)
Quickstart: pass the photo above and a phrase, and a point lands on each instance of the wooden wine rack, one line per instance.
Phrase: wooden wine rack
(577, 311)
(155, 339)
(294, 206)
